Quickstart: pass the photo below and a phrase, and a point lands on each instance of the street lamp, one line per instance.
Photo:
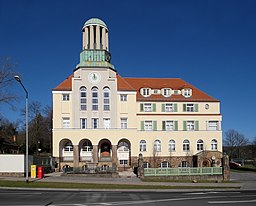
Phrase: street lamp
(26, 162)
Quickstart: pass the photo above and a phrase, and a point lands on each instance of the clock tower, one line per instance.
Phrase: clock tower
(95, 47)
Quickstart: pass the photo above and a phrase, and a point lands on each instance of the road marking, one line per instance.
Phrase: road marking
(231, 202)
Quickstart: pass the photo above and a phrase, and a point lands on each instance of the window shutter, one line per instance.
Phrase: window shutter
(184, 125)
(175, 108)
(141, 107)
(196, 107)
(142, 125)
(184, 107)
(176, 125)
(154, 107)
(163, 125)
(196, 125)
(163, 107)
(154, 125)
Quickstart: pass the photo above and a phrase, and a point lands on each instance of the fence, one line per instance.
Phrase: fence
(187, 171)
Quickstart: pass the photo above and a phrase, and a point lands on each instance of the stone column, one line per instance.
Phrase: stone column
(225, 168)
(85, 38)
(97, 37)
(107, 48)
(114, 158)
(76, 157)
(91, 37)
(95, 158)
(104, 38)
(140, 166)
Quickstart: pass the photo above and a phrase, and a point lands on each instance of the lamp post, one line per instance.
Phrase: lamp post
(26, 159)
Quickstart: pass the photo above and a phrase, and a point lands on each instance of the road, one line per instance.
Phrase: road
(84, 198)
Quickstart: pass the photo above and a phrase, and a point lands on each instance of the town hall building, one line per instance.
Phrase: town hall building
(103, 120)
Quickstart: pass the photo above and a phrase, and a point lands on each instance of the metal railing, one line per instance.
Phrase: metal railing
(182, 171)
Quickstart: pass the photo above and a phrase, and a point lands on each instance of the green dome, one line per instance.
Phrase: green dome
(95, 21)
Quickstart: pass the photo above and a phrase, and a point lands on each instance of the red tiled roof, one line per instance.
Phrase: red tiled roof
(159, 83)
(66, 85)
(135, 84)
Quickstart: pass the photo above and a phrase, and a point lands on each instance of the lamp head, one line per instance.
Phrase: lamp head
(17, 78)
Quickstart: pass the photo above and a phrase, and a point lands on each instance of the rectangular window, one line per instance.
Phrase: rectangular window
(147, 107)
(148, 125)
(106, 122)
(123, 123)
(95, 123)
(65, 122)
(65, 97)
(123, 97)
(213, 125)
(169, 125)
(123, 162)
(83, 123)
(190, 125)
(169, 108)
(190, 108)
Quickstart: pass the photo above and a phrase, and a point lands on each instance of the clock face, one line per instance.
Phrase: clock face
(94, 77)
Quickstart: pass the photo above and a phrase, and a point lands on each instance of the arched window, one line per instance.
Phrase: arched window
(143, 146)
(87, 146)
(200, 145)
(157, 146)
(68, 147)
(83, 100)
(171, 145)
(95, 101)
(106, 99)
(214, 144)
(185, 145)
(164, 164)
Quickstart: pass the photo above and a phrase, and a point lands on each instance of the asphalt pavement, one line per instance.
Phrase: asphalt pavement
(246, 181)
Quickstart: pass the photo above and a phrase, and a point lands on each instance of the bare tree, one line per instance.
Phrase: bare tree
(6, 79)
(235, 143)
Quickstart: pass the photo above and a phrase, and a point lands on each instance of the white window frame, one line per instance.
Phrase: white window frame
(146, 165)
(190, 107)
(187, 92)
(83, 123)
(186, 145)
(148, 125)
(123, 97)
(167, 92)
(143, 145)
(124, 123)
(213, 125)
(147, 107)
(183, 164)
(95, 123)
(191, 125)
(172, 145)
(165, 164)
(169, 107)
(106, 99)
(169, 125)
(95, 99)
(65, 97)
(145, 92)
(214, 145)
(106, 123)
(200, 145)
(157, 146)
(83, 98)
(65, 122)
(123, 162)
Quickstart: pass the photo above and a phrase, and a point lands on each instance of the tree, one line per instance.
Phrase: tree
(6, 79)
(235, 143)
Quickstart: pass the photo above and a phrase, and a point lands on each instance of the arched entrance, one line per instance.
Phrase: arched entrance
(66, 149)
(85, 150)
(124, 153)
(105, 150)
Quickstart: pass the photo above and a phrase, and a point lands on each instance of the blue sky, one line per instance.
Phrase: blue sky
(209, 43)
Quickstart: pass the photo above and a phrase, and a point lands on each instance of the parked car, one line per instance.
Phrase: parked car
(234, 165)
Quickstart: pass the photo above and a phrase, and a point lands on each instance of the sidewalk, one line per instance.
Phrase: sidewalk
(56, 177)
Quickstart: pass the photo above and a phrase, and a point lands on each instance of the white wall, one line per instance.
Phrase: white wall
(12, 163)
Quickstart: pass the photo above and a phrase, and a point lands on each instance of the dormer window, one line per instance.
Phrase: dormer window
(145, 92)
(166, 92)
(187, 93)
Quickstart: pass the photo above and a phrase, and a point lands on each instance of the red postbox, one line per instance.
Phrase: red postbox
(40, 172)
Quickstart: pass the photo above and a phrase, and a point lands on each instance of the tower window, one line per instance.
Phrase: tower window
(83, 100)
(95, 100)
(106, 99)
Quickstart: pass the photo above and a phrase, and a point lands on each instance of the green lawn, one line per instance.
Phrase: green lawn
(5, 183)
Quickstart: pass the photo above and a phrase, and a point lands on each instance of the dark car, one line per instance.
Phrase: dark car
(234, 165)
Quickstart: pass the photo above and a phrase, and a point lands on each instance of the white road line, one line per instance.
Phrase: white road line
(231, 202)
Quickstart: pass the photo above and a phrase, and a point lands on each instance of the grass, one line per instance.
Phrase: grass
(54, 185)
